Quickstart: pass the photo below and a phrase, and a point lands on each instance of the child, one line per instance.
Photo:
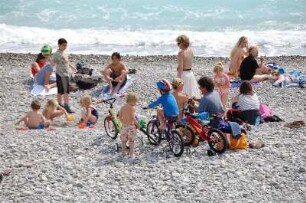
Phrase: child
(34, 119)
(60, 59)
(129, 123)
(180, 97)
(89, 113)
(222, 83)
(52, 110)
(170, 110)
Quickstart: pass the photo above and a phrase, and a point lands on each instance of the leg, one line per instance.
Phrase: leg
(161, 118)
(116, 89)
(259, 78)
(123, 147)
(109, 80)
(131, 138)
(83, 114)
(224, 98)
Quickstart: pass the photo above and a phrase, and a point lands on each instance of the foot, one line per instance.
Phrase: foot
(68, 109)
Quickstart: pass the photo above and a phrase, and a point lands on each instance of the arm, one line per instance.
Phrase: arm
(180, 64)
(88, 114)
(23, 118)
(155, 103)
(134, 118)
(62, 109)
(123, 74)
(105, 71)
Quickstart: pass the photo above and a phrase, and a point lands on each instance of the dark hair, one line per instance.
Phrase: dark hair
(246, 88)
(117, 55)
(207, 83)
(62, 41)
(35, 105)
(39, 57)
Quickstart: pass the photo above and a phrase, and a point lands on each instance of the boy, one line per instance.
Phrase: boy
(170, 110)
(181, 98)
(60, 59)
(34, 119)
(115, 74)
(129, 123)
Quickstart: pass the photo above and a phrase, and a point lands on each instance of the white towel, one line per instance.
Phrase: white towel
(40, 90)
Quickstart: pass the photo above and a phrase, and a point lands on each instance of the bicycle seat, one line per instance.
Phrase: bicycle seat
(110, 100)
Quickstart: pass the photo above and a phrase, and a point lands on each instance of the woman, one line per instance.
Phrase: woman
(43, 77)
(239, 52)
(185, 58)
(248, 103)
(38, 64)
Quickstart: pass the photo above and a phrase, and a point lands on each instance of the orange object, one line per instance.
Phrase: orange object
(70, 118)
(82, 125)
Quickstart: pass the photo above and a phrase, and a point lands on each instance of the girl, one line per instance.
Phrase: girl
(89, 113)
(184, 71)
(238, 53)
(181, 98)
(222, 83)
(53, 110)
(38, 64)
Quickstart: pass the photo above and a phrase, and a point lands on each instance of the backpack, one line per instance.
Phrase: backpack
(85, 81)
(240, 143)
(267, 114)
(81, 69)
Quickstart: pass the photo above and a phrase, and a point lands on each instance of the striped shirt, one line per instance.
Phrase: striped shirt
(248, 102)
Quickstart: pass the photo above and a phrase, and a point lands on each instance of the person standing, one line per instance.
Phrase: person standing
(184, 71)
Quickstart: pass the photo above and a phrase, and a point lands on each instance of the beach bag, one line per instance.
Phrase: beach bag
(85, 82)
(265, 111)
(237, 143)
(81, 69)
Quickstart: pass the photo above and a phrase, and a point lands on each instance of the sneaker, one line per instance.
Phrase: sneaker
(68, 109)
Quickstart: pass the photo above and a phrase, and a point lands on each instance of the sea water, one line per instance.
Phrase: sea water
(150, 27)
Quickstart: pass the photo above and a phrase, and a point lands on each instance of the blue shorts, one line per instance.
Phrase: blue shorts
(171, 118)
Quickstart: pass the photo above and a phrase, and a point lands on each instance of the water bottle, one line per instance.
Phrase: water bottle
(142, 121)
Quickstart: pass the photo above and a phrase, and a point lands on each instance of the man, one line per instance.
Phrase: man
(115, 74)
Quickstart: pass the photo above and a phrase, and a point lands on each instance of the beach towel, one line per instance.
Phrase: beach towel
(40, 90)
(236, 84)
(104, 92)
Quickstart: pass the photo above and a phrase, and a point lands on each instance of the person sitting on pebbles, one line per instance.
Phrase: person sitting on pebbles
(38, 64)
(115, 74)
(34, 119)
(53, 110)
(251, 71)
(89, 113)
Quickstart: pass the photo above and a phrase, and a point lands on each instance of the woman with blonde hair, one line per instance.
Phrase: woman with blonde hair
(238, 53)
(184, 71)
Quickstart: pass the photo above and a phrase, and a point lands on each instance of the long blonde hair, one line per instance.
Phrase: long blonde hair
(238, 45)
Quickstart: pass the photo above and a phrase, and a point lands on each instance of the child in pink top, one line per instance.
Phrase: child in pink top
(221, 82)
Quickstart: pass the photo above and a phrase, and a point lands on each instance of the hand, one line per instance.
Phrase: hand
(47, 87)
(117, 79)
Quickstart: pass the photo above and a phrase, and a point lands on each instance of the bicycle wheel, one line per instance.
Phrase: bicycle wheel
(153, 132)
(216, 141)
(187, 134)
(111, 128)
(176, 143)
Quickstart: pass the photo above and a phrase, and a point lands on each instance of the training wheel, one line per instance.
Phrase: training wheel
(117, 147)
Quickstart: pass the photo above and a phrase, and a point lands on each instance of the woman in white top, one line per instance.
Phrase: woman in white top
(184, 71)
(248, 103)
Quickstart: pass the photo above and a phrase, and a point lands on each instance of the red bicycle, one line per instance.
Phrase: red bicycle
(194, 127)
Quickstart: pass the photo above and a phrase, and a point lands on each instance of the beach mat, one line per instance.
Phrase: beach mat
(39, 90)
(236, 84)
(104, 92)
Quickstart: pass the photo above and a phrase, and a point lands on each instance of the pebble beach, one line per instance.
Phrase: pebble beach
(69, 164)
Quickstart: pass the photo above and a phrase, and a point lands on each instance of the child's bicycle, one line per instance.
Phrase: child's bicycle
(194, 126)
(173, 137)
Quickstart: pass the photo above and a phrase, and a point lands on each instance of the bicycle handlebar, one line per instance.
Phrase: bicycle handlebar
(109, 101)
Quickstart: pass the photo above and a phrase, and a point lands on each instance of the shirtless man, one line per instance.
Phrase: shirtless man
(129, 123)
(115, 74)
(34, 119)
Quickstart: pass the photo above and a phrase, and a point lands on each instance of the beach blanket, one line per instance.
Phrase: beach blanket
(104, 92)
(235, 84)
(40, 90)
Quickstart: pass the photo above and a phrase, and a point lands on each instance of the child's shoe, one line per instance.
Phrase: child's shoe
(68, 109)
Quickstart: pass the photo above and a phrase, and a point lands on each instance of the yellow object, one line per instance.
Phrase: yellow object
(241, 143)
(70, 118)
(196, 142)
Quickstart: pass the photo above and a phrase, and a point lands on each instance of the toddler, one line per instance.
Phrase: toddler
(180, 97)
(52, 110)
(129, 123)
(222, 83)
(89, 112)
(34, 119)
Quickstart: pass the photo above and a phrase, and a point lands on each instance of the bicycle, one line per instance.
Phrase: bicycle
(202, 129)
(173, 137)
